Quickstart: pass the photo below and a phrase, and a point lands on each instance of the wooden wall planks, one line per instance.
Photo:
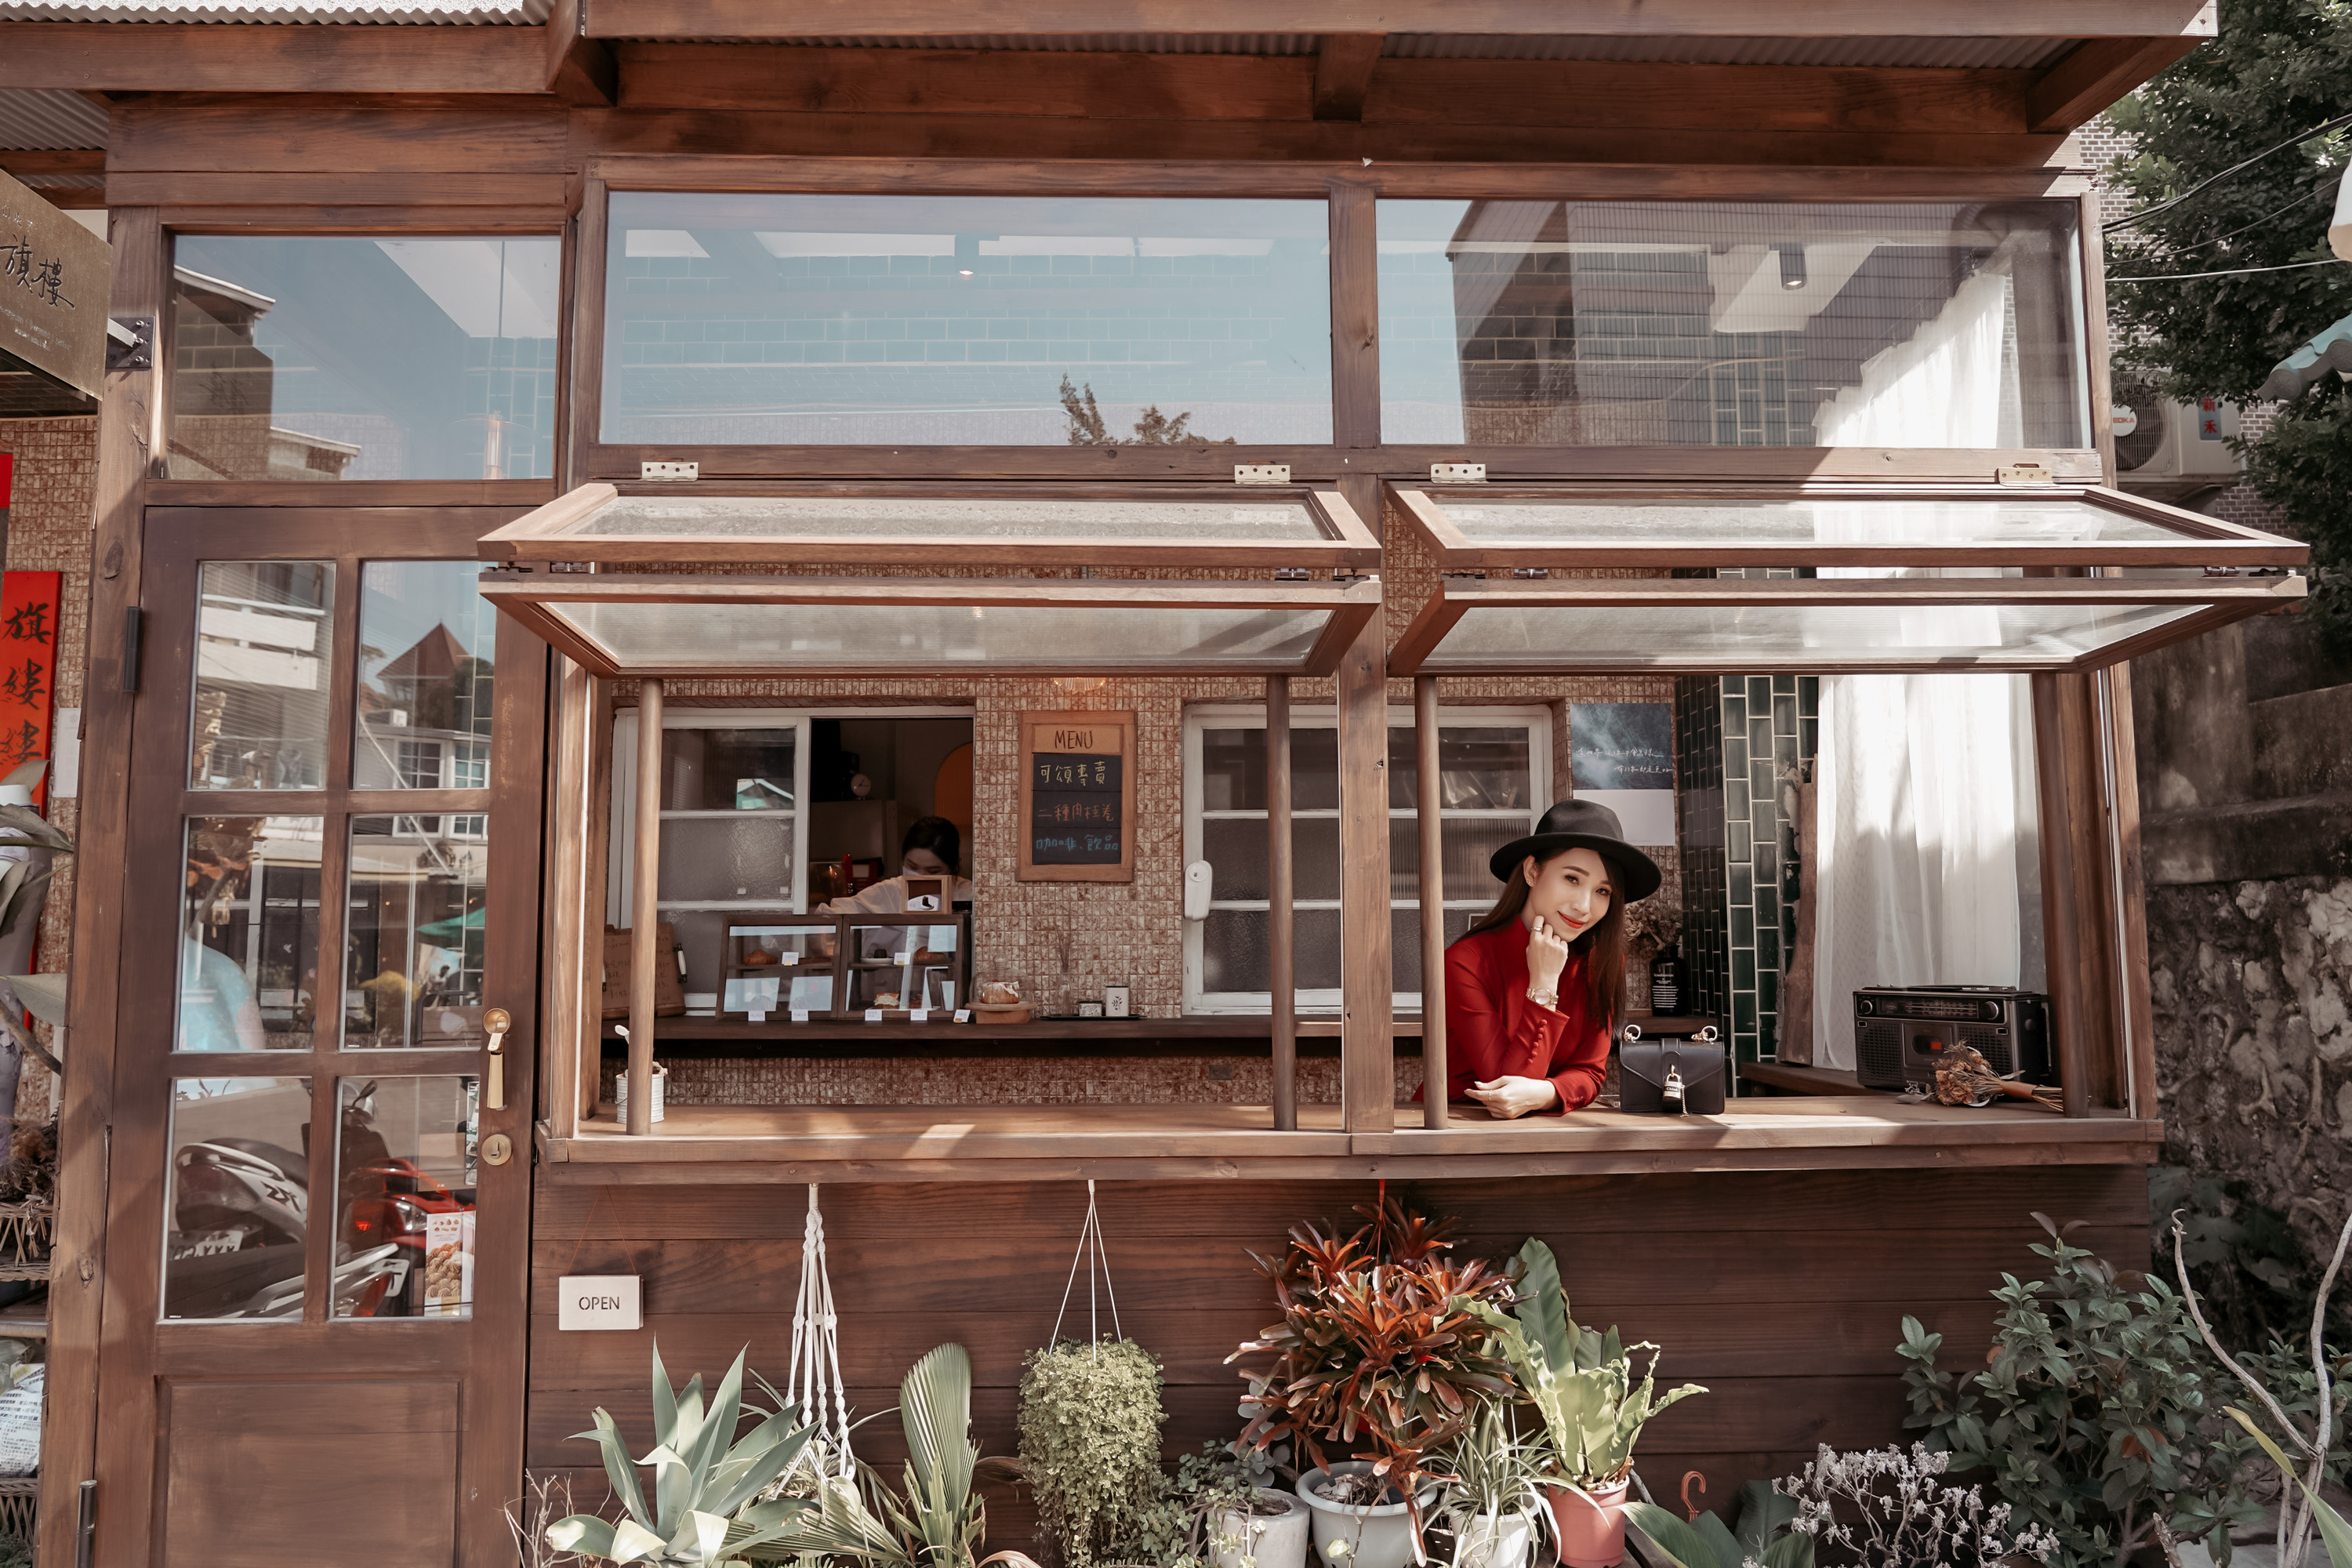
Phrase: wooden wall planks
(1783, 1292)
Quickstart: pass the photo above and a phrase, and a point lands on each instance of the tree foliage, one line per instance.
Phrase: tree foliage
(2276, 72)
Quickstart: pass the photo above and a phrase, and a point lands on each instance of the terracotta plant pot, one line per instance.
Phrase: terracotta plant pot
(1378, 1535)
(1264, 1541)
(1590, 1523)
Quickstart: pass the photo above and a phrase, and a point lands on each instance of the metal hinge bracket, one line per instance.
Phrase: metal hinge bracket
(1261, 473)
(1457, 473)
(2025, 474)
(1531, 574)
(689, 472)
(1291, 574)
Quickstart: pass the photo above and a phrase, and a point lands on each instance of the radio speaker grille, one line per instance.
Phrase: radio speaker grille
(1878, 1053)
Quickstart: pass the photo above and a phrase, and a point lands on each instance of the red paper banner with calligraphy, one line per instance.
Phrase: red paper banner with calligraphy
(29, 643)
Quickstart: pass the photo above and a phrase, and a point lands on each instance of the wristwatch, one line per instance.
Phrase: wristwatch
(1545, 999)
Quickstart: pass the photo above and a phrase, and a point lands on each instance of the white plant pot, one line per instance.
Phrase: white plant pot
(1486, 1544)
(620, 1094)
(1375, 1536)
(1263, 1540)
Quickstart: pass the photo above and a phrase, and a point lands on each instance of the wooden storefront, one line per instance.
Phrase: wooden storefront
(1540, 337)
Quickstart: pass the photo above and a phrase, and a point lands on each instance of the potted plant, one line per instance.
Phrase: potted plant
(1220, 1509)
(1581, 1385)
(1493, 1491)
(1090, 1421)
(1380, 1350)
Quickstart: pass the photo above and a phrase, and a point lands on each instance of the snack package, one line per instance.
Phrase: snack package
(448, 1287)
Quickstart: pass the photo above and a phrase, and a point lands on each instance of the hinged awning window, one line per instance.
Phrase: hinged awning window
(665, 625)
(1472, 528)
(1262, 527)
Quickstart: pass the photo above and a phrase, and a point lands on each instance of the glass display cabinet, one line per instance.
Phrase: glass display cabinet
(909, 969)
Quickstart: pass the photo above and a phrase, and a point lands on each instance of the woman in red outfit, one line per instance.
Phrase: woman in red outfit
(1533, 989)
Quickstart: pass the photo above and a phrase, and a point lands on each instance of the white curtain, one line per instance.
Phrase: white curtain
(1924, 783)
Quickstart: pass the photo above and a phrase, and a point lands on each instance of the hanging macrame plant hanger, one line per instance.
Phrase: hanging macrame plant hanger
(1097, 1265)
(815, 1384)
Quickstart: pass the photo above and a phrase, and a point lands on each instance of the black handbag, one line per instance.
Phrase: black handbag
(1670, 1077)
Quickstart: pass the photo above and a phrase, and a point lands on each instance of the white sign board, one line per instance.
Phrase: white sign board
(600, 1301)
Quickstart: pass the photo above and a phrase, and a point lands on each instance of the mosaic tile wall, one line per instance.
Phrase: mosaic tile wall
(1743, 744)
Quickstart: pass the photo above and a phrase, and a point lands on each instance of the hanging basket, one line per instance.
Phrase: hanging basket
(814, 1383)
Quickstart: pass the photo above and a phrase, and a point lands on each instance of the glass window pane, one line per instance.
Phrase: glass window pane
(1790, 636)
(1723, 324)
(971, 320)
(428, 648)
(265, 634)
(1235, 945)
(707, 859)
(908, 517)
(249, 934)
(404, 1176)
(1483, 769)
(1235, 848)
(858, 636)
(365, 359)
(770, 962)
(238, 1198)
(412, 958)
(728, 770)
(1465, 844)
(1528, 521)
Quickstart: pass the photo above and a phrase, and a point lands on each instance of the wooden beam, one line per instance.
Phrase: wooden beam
(2096, 74)
(580, 69)
(339, 57)
(24, 162)
(1367, 976)
(1282, 943)
(644, 917)
(1595, 18)
(1343, 73)
(1429, 802)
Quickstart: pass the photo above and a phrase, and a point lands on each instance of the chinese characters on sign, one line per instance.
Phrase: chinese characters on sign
(54, 284)
(28, 642)
(1078, 793)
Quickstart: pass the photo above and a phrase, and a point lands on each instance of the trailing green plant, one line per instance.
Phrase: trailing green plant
(2311, 1415)
(1766, 1532)
(1580, 1381)
(935, 1518)
(2249, 1265)
(705, 1479)
(1383, 1347)
(1207, 1489)
(2088, 1412)
(1884, 1507)
(1090, 1423)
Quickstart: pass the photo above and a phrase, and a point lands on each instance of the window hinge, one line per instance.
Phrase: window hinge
(1457, 473)
(689, 472)
(2025, 474)
(1290, 573)
(1531, 574)
(1467, 576)
(1261, 473)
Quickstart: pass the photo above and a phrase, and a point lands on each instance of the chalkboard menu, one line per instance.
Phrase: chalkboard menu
(1077, 797)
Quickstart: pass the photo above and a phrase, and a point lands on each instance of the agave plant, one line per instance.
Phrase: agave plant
(936, 1520)
(1580, 1381)
(705, 1480)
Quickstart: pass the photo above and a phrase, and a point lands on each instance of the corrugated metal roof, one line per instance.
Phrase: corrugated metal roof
(49, 117)
(446, 13)
(1076, 43)
(1951, 54)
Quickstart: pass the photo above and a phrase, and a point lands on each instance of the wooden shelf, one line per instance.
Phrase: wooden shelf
(800, 1143)
(1239, 1034)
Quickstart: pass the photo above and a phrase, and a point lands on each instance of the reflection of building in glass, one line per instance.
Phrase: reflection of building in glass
(222, 396)
(413, 963)
(248, 960)
(263, 638)
(424, 718)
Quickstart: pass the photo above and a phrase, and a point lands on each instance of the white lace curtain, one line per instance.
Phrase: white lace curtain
(1924, 850)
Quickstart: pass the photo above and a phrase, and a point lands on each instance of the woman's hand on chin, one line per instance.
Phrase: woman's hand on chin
(1511, 1098)
(1546, 956)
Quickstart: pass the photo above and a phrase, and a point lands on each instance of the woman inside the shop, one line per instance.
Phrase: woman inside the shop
(928, 853)
(1533, 989)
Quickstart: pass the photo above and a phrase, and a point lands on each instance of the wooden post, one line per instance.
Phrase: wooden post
(645, 916)
(1432, 900)
(1282, 947)
(575, 949)
(1367, 977)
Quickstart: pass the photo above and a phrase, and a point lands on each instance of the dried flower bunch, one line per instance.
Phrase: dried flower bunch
(1891, 1508)
(1380, 1347)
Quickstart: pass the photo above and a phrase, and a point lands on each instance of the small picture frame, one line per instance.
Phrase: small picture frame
(1115, 1003)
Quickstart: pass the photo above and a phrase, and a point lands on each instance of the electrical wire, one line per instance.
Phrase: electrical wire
(2198, 189)
(2226, 272)
(2316, 192)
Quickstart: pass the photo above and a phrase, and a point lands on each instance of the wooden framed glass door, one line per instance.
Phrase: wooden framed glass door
(320, 1170)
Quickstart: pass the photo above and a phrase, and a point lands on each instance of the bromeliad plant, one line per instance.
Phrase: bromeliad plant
(1382, 1347)
(1580, 1381)
(705, 1479)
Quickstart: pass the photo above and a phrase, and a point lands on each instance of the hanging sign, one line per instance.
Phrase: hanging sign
(600, 1301)
(1077, 797)
(55, 278)
(29, 663)
(1621, 755)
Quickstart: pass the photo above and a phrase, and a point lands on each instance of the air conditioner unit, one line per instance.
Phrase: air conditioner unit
(2161, 438)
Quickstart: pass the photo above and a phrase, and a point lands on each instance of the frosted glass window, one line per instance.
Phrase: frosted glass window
(907, 517)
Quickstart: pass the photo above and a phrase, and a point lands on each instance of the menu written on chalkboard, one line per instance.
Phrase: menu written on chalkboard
(1074, 809)
(1078, 792)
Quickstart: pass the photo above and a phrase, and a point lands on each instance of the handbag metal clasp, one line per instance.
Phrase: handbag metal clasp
(1670, 1094)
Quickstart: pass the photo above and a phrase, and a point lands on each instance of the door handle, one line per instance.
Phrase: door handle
(498, 1021)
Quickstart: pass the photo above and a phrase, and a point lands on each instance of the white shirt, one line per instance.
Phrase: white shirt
(888, 897)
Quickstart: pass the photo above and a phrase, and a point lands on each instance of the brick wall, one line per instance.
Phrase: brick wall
(49, 524)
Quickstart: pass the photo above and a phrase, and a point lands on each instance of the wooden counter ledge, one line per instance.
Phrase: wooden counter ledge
(716, 1143)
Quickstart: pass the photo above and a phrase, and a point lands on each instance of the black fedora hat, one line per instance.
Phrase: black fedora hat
(1588, 825)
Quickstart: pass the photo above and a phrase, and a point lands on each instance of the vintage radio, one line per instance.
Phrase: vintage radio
(1900, 1032)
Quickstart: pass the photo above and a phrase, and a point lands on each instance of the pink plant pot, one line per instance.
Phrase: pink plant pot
(1590, 1523)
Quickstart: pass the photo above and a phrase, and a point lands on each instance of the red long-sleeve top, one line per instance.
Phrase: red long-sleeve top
(1493, 1031)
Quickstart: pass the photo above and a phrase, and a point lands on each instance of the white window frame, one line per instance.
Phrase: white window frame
(1536, 718)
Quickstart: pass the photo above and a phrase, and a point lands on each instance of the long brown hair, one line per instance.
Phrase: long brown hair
(1603, 947)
